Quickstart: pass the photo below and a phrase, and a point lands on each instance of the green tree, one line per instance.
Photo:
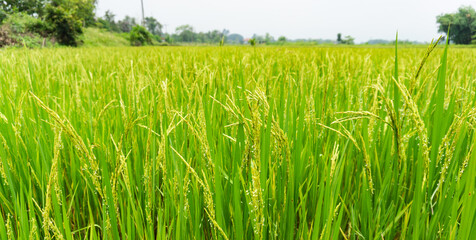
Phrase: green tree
(31, 7)
(185, 33)
(139, 36)
(235, 38)
(258, 39)
(282, 40)
(349, 40)
(462, 25)
(339, 38)
(108, 22)
(153, 26)
(82, 10)
(252, 42)
(64, 26)
(268, 38)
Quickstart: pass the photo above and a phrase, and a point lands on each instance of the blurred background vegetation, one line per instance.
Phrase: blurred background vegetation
(43, 23)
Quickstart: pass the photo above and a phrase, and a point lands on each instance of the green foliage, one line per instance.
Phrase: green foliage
(259, 39)
(268, 38)
(95, 37)
(139, 36)
(23, 23)
(222, 41)
(63, 19)
(185, 33)
(126, 24)
(65, 26)
(252, 42)
(238, 143)
(7, 37)
(153, 26)
(3, 15)
(235, 38)
(25, 30)
(82, 10)
(349, 40)
(214, 36)
(30, 7)
(107, 22)
(169, 39)
(462, 25)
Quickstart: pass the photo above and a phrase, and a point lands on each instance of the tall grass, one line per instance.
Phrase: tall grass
(238, 143)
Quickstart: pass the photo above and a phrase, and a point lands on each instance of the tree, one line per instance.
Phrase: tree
(31, 7)
(153, 26)
(461, 25)
(126, 24)
(235, 38)
(268, 38)
(282, 39)
(185, 33)
(258, 38)
(349, 40)
(65, 27)
(82, 10)
(109, 22)
(252, 42)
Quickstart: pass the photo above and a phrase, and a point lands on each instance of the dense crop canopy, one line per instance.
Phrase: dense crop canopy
(237, 143)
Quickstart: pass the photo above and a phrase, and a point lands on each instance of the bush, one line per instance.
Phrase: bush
(139, 36)
(23, 30)
(3, 15)
(23, 23)
(65, 27)
(6, 37)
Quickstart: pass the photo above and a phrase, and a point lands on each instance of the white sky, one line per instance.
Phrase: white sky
(362, 19)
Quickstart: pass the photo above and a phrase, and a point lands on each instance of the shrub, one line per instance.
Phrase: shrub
(252, 42)
(23, 23)
(139, 36)
(3, 15)
(6, 38)
(65, 27)
(24, 30)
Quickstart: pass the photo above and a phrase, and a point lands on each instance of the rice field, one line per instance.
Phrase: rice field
(238, 143)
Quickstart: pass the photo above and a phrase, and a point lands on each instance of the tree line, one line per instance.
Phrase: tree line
(62, 21)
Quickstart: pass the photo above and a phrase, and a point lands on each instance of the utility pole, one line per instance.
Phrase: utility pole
(143, 19)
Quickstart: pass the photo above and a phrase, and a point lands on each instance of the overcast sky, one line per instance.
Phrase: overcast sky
(362, 19)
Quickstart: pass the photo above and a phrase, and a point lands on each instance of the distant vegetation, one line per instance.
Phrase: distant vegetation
(41, 22)
(461, 25)
(95, 37)
(238, 143)
(34, 23)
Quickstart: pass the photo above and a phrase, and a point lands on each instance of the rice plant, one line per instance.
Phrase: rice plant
(238, 143)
